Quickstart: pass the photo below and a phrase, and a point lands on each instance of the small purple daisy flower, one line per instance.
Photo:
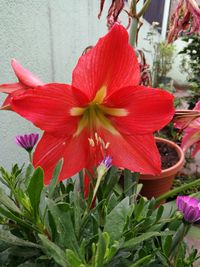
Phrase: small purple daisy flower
(27, 141)
(104, 166)
(190, 207)
(107, 162)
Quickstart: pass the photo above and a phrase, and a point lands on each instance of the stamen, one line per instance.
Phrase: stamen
(91, 142)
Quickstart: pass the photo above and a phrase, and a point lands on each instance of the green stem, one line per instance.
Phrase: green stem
(177, 190)
(133, 32)
(144, 8)
(99, 178)
(30, 156)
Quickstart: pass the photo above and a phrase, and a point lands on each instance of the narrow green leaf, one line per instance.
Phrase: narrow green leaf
(17, 219)
(159, 213)
(7, 237)
(35, 188)
(7, 202)
(111, 179)
(100, 252)
(72, 259)
(54, 251)
(65, 229)
(116, 220)
(130, 182)
(54, 179)
(167, 245)
(138, 209)
(137, 240)
(142, 261)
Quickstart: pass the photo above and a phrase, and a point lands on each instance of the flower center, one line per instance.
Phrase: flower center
(95, 115)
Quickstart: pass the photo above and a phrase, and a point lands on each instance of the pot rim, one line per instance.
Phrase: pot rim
(171, 170)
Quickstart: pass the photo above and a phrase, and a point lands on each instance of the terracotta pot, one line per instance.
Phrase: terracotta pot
(154, 186)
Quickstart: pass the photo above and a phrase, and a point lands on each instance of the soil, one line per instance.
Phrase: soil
(169, 156)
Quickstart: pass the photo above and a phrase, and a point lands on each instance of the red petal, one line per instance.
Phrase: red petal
(111, 63)
(149, 109)
(134, 152)
(11, 87)
(51, 149)
(48, 107)
(25, 76)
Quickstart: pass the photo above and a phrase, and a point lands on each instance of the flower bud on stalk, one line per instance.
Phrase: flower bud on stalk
(102, 169)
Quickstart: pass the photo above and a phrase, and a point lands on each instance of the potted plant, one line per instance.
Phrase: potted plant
(162, 64)
(172, 161)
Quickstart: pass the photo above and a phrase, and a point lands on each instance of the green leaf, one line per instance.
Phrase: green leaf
(167, 242)
(116, 220)
(137, 240)
(72, 259)
(142, 261)
(7, 237)
(35, 188)
(139, 209)
(159, 213)
(7, 202)
(17, 219)
(64, 225)
(111, 179)
(54, 251)
(130, 182)
(54, 179)
(100, 252)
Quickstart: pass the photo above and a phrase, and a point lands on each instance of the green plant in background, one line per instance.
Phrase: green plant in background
(164, 56)
(55, 225)
(191, 65)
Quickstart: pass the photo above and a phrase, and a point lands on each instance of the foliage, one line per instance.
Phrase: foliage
(164, 55)
(191, 65)
(56, 226)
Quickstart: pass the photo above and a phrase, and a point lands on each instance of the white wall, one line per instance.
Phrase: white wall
(46, 37)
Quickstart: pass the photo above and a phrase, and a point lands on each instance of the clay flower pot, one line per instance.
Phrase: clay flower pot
(154, 186)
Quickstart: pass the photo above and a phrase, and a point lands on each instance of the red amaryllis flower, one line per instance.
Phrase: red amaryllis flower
(104, 112)
(26, 80)
(185, 20)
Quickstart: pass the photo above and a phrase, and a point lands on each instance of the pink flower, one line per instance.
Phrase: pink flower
(26, 80)
(185, 20)
(191, 135)
(190, 207)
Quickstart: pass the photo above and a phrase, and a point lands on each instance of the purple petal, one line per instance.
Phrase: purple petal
(190, 207)
(27, 141)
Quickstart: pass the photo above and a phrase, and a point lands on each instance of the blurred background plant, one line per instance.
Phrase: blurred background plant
(190, 64)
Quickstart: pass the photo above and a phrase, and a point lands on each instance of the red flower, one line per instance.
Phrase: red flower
(26, 80)
(105, 110)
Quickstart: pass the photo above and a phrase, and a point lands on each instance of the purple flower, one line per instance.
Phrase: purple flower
(104, 166)
(190, 207)
(27, 141)
(106, 162)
